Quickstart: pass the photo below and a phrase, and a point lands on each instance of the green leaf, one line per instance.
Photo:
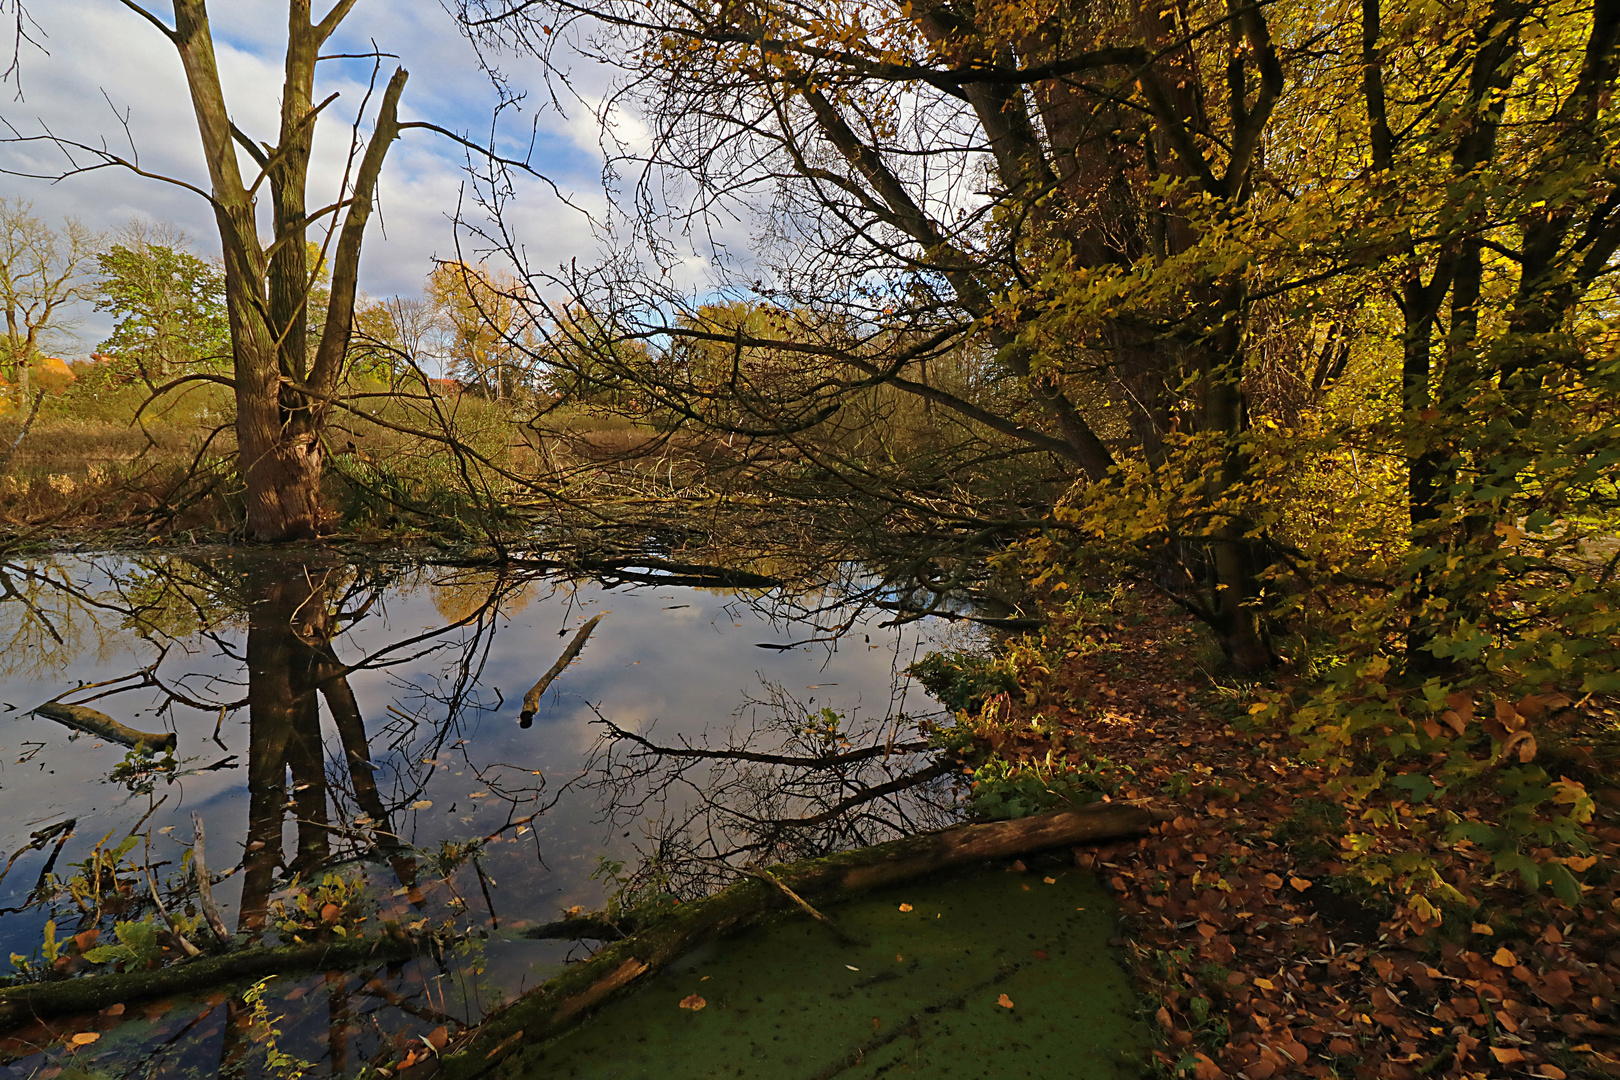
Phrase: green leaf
(1563, 883)
(103, 954)
(1607, 682)
(1521, 864)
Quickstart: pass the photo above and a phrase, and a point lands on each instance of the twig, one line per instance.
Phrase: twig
(205, 888)
(803, 904)
(185, 946)
(531, 700)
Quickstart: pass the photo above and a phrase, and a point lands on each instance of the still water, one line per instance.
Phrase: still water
(349, 735)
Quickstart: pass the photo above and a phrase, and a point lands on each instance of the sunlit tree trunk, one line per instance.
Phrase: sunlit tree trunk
(283, 395)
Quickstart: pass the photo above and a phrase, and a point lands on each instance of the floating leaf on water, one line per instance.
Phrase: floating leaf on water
(694, 1003)
(421, 804)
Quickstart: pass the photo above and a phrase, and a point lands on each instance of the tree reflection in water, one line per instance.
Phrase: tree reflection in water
(273, 639)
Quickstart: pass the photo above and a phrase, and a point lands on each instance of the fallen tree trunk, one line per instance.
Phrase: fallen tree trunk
(99, 723)
(546, 1010)
(531, 700)
(91, 993)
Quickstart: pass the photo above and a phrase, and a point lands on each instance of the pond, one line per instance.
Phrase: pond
(349, 733)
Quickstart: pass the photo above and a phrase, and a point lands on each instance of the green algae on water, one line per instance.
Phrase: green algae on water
(989, 975)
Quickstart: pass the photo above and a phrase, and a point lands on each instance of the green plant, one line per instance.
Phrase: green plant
(50, 949)
(262, 1029)
(137, 945)
(961, 681)
(1001, 790)
(335, 906)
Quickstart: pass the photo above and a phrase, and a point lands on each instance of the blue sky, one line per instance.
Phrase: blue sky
(101, 60)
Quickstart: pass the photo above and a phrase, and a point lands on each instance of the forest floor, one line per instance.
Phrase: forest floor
(1261, 950)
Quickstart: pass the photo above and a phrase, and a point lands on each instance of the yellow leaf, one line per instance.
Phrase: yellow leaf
(1503, 958)
(1579, 864)
(1483, 928)
(1265, 984)
(1004, 1001)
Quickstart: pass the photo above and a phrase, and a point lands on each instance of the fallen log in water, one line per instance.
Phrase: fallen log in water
(531, 700)
(99, 723)
(91, 993)
(548, 1009)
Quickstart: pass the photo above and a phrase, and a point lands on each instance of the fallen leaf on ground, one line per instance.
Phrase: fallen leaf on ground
(1004, 1001)
(438, 1037)
(1050, 880)
(1504, 958)
(1483, 928)
(694, 1003)
(905, 907)
(85, 1038)
(1299, 883)
(1507, 1055)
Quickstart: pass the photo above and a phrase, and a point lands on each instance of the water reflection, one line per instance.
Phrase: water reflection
(357, 724)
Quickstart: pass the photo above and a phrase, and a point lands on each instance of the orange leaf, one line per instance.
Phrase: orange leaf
(1508, 716)
(1299, 883)
(1004, 1001)
(1578, 864)
(1505, 959)
(1553, 1072)
(905, 907)
(1463, 704)
(85, 1038)
(1206, 1069)
(694, 1003)
(1264, 984)
(438, 1037)
(1454, 721)
(1483, 928)
(1206, 930)
(1506, 1054)
(1522, 743)
(1272, 881)
(1431, 729)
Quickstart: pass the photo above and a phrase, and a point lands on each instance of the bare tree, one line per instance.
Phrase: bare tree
(43, 272)
(286, 384)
